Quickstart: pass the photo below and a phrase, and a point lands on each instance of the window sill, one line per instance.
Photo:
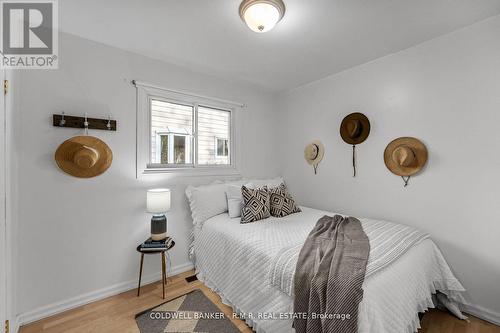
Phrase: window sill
(194, 172)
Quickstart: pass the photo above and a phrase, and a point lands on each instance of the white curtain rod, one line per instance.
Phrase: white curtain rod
(149, 85)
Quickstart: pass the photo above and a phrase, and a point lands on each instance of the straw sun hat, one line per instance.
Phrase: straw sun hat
(84, 156)
(313, 153)
(405, 156)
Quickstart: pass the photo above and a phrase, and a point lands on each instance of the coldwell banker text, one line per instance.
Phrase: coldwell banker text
(29, 37)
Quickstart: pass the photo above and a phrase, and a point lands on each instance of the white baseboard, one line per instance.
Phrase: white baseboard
(58, 307)
(482, 313)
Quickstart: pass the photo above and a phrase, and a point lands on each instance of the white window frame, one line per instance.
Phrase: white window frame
(147, 92)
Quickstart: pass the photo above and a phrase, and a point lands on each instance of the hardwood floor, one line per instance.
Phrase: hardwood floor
(116, 314)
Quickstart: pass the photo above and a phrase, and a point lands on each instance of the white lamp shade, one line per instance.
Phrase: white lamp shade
(158, 200)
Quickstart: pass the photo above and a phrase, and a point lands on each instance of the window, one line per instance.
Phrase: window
(213, 125)
(221, 147)
(171, 133)
(185, 133)
(178, 131)
(174, 132)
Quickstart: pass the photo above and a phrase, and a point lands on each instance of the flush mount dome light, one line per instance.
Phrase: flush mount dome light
(262, 15)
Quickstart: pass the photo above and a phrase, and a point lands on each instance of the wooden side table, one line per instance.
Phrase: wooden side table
(163, 265)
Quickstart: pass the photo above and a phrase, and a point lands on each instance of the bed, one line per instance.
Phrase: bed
(235, 261)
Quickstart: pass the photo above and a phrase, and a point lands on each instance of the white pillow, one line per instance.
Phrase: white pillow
(235, 199)
(273, 182)
(206, 201)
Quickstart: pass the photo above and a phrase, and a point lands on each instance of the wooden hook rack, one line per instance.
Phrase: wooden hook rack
(79, 122)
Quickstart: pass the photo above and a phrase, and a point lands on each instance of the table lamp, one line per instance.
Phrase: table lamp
(158, 203)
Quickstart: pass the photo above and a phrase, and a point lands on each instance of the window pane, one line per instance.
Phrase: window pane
(179, 149)
(213, 124)
(222, 149)
(169, 121)
(164, 149)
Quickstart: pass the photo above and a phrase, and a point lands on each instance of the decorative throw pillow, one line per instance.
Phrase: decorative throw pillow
(282, 203)
(255, 204)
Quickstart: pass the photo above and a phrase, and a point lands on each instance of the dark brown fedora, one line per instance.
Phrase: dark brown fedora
(355, 128)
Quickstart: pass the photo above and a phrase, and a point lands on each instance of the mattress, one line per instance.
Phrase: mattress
(235, 260)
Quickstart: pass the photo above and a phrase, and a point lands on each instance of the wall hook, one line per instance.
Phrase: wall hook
(86, 124)
(62, 122)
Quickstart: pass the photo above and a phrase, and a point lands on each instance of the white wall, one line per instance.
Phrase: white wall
(3, 208)
(446, 92)
(11, 153)
(79, 236)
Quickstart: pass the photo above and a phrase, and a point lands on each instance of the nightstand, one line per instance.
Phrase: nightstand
(163, 265)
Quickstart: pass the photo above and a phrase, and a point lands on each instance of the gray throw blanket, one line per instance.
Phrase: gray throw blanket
(329, 274)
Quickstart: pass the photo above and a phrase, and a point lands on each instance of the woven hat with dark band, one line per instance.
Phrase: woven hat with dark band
(405, 157)
(84, 156)
(354, 129)
(313, 153)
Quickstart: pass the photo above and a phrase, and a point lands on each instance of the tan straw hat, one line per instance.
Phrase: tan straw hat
(405, 156)
(84, 156)
(314, 152)
(355, 128)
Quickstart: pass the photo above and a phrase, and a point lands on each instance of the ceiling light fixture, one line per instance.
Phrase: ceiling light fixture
(262, 15)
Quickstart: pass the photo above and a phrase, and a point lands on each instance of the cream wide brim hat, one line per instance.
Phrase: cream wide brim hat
(84, 156)
(405, 156)
(314, 152)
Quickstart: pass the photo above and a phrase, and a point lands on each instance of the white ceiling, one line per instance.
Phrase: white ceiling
(316, 38)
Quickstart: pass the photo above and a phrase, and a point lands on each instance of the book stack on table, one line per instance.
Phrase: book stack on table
(152, 245)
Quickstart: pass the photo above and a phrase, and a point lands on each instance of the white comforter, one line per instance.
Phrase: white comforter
(235, 261)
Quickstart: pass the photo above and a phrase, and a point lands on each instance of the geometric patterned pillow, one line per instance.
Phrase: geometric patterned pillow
(255, 204)
(282, 203)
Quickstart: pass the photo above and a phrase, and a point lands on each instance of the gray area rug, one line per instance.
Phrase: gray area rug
(192, 312)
